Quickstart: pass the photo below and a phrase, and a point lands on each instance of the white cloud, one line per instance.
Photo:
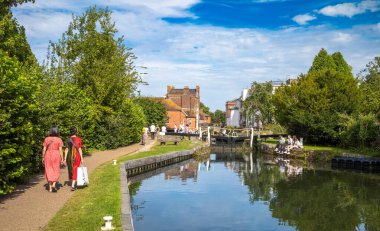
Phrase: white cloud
(222, 61)
(350, 9)
(342, 37)
(303, 19)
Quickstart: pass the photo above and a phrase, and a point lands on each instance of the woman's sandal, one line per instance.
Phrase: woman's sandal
(53, 189)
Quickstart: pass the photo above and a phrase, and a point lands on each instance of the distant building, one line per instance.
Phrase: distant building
(182, 107)
(235, 113)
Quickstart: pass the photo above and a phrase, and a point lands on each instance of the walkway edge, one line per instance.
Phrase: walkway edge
(126, 212)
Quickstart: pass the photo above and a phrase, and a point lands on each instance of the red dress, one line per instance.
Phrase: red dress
(74, 158)
(52, 158)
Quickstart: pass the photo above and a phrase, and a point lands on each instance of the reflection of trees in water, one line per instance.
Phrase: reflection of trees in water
(315, 200)
(133, 190)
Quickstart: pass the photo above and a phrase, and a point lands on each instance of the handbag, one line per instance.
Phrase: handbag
(82, 176)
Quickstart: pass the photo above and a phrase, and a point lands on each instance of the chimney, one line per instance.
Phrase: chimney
(198, 92)
(168, 88)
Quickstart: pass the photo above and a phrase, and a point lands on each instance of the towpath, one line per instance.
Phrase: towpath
(31, 206)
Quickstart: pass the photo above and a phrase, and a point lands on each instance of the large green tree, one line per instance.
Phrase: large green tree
(311, 106)
(89, 56)
(259, 102)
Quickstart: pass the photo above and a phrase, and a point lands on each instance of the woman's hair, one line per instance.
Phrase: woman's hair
(54, 131)
(73, 130)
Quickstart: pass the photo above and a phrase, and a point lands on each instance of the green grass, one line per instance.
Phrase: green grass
(86, 208)
(337, 150)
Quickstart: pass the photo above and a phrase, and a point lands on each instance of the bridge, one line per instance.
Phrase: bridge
(227, 136)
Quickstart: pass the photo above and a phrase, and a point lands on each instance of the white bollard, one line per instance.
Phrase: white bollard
(114, 162)
(107, 223)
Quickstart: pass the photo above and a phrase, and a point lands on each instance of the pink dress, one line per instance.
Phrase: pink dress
(52, 158)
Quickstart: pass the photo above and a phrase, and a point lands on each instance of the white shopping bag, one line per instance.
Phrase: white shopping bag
(82, 176)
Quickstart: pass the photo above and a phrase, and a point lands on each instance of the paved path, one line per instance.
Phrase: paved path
(31, 207)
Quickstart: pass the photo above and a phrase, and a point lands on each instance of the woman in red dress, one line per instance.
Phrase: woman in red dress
(52, 157)
(73, 156)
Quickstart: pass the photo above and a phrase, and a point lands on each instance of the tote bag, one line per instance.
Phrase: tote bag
(82, 177)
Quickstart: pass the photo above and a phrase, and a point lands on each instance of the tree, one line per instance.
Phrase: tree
(207, 111)
(322, 61)
(259, 102)
(370, 88)
(154, 110)
(13, 40)
(219, 116)
(89, 56)
(311, 106)
(18, 113)
(96, 75)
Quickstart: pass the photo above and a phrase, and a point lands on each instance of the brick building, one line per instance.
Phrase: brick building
(182, 107)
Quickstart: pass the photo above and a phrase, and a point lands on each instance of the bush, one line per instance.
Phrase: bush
(18, 111)
(359, 130)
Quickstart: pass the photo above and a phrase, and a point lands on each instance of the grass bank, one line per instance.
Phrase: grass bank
(333, 149)
(86, 208)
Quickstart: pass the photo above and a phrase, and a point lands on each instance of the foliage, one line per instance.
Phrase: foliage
(219, 117)
(154, 110)
(13, 40)
(322, 61)
(18, 111)
(370, 88)
(5, 5)
(359, 130)
(259, 102)
(124, 126)
(95, 75)
(89, 56)
(65, 105)
(311, 106)
(207, 111)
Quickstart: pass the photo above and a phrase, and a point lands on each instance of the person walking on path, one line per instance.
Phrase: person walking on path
(52, 157)
(73, 156)
(144, 135)
(152, 131)
(28, 208)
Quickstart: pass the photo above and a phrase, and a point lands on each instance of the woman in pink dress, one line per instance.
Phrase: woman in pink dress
(52, 157)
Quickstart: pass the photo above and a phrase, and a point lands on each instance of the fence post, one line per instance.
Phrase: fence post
(200, 132)
(251, 141)
(208, 135)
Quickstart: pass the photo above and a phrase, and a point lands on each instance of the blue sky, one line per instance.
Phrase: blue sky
(222, 45)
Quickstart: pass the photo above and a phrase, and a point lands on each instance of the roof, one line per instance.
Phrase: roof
(168, 103)
(181, 91)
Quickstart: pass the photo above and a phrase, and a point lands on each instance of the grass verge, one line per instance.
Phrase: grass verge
(336, 150)
(86, 208)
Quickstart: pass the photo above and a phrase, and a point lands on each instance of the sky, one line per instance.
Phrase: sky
(221, 45)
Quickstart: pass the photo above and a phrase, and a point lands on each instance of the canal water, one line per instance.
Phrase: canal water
(254, 192)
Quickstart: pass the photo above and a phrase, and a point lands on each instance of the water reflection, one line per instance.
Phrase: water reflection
(254, 192)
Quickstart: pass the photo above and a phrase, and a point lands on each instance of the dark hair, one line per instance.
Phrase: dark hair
(54, 131)
(73, 130)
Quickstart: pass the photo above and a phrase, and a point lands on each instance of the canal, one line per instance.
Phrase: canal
(254, 192)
